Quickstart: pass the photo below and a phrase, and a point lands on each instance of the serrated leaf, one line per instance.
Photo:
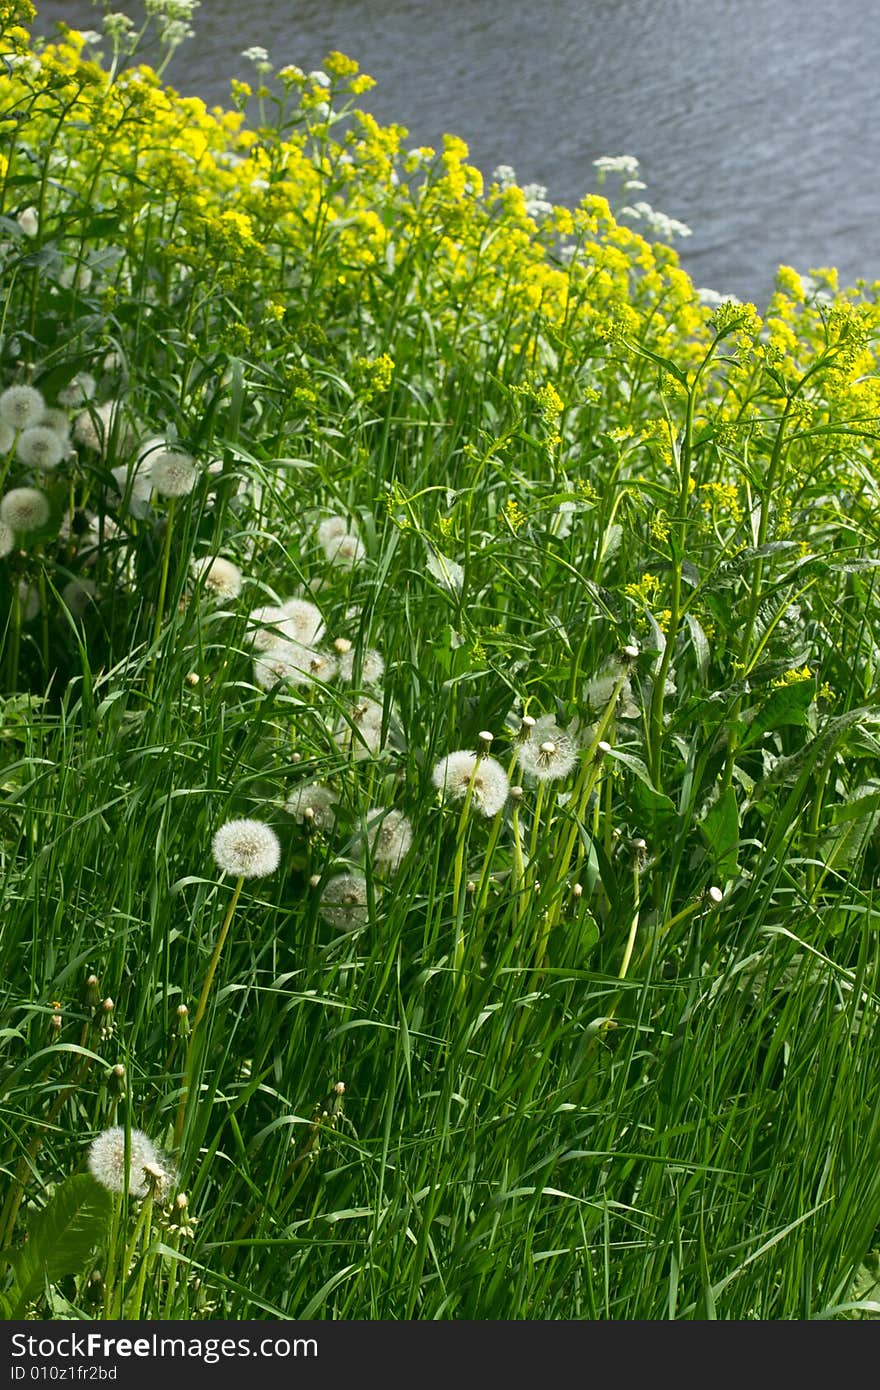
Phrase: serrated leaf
(61, 1237)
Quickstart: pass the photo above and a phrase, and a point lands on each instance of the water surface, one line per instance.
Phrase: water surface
(755, 120)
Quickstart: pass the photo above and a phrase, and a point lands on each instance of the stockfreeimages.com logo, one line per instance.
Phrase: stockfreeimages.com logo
(93, 1346)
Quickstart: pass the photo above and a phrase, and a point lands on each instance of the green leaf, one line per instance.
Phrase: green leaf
(61, 1237)
(721, 829)
(787, 704)
(645, 794)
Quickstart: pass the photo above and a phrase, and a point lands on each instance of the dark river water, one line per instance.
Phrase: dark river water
(755, 121)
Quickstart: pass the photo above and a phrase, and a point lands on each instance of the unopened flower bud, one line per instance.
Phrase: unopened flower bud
(93, 991)
(342, 645)
(485, 740)
(182, 1021)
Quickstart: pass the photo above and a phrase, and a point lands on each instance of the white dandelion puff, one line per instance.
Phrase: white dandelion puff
(105, 428)
(173, 473)
(339, 539)
(458, 771)
(147, 1168)
(7, 539)
(301, 621)
(55, 419)
(389, 835)
(289, 663)
(246, 849)
(549, 753)
(220, 577)
(361, 734)
(264, 629)
(21, 406)
(40, 447)
(598, 691)
(79, 389)
(25, 509)
(78, 596)
(7, 436)
(314, 805)
(369, 663)
(344, 902)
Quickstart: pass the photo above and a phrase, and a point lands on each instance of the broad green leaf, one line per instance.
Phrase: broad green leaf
(61, 1237)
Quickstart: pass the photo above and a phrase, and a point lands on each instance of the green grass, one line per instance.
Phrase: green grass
(577, 1083)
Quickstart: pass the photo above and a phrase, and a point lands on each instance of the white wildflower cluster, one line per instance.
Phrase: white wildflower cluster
(340, 541)
(624, 164)
(658, 224)
(537, 206)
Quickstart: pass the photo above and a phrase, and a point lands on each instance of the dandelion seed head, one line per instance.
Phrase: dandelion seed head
(264, 627)
(246, 849)
(550, 753)
(454, 774)
(220, 577)
(372, 667)
(289, 663)
(344, 902)
(173, 473)
(362, 736)
(78, 596)
(302, 621)
(105, 428)
(28, 601)
(7, 436)
(80, 388)
(21, 406)
(146, 1166)
(25, 509)
(316, 799)
(7, 539)
(389, 836)
(55, 419)
(40, 447)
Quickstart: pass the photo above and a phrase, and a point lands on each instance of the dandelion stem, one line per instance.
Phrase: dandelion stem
(200, 1012)
(163, 582)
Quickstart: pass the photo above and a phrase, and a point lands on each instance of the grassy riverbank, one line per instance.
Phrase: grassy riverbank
(325, 459)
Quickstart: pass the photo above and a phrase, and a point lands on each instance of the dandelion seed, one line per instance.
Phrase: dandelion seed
(146, 1168)
(389, 836)
(7, 539)
(78, 596)
(25, 509)
(455, 773)
(550, 753)
(220, 577)
(79, 389)
(344, 902)
(372, 667)
(21, 406)
(448, 573)
(172, 473)
(313, 804)
(246, 849)
(40, 447)
(29, 222)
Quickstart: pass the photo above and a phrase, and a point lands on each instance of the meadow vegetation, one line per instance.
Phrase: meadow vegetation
(439, 761)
